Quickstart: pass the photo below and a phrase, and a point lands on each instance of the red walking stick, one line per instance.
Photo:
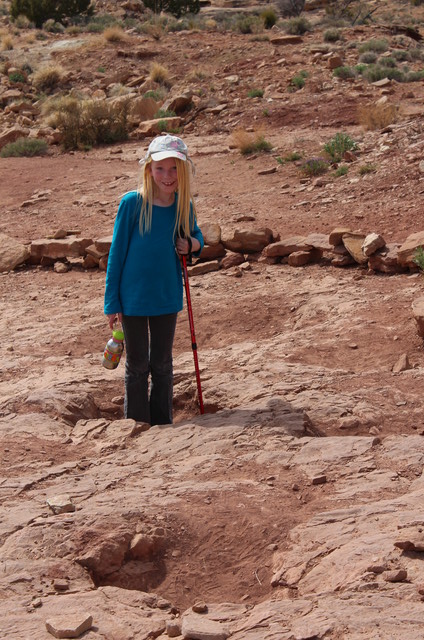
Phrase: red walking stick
(193, 337)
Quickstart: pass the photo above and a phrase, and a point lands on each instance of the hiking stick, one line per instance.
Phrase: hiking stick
(193, 337)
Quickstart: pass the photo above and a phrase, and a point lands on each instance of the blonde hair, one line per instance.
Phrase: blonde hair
(185, 203)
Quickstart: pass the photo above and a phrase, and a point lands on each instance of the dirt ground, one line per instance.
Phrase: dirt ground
(81, 191)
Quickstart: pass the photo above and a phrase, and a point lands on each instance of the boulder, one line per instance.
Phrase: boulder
(53, 249)
(152, 127)
(12, 253)
(12, 134)
(408, 249)
(372, 243)
(212, 252)
(353, 243)
(286, 247)
(386, 259)
(211, 233)
(336, 235)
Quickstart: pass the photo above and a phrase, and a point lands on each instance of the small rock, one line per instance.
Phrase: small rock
(200, 607)
(69, 626)
(402, 364)
(61, 585)
(396, 576)
(173, 628)
(319, 479)
(61, 504)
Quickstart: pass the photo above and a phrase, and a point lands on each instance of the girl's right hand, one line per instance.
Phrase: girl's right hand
(113, 317)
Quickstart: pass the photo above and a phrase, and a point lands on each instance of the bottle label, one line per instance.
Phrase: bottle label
(112, 357)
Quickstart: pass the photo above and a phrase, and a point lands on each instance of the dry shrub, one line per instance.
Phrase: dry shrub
(159, 74)
(248, 142)
(198, 74)
(84, 123)
(377, 116)
(48, 78)
(114, 34)
(7, 43)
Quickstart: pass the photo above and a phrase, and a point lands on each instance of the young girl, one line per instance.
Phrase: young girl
(144, 286)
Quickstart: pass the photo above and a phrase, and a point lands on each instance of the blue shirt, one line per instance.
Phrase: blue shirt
(144, 275)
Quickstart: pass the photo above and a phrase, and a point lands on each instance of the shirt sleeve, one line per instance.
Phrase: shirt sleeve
(125, 222)
(195, 232)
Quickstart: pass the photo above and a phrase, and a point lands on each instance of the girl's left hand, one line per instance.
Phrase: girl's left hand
(182, 246)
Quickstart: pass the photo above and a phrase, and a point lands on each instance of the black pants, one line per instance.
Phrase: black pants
(148, 342)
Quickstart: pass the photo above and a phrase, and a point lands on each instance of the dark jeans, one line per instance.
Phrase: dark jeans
(148, 343)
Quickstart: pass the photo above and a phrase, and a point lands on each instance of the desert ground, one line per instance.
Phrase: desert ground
(292, 509)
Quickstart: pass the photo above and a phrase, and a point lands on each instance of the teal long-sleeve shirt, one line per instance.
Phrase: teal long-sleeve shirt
(144, 271)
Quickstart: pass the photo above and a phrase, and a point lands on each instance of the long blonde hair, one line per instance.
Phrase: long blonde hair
(185, 203)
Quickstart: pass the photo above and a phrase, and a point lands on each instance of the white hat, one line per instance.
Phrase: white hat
(166, 147)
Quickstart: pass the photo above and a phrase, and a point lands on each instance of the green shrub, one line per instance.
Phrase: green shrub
(400, 55)
(314, 166)
(388, 61)
(164, 113)
(419, 257)
(344, 73)
(293, 156)
(298, 81)
(269, 18)
(250, 142)
(290, 157)
(360, 68)
(84, 123)
(176, 8)
(341, 171)
(100, 22)
(248, 24)
(414, 76)
(155, 94)
(298, 26)
(368, 57)
(367, 168)
(256, 93)
(331, 35)
(38, 11)
(17, 76)
(378, 46)
(416, 54)
(51, 26)
(338, 145)
(27, 147)
(376, 72)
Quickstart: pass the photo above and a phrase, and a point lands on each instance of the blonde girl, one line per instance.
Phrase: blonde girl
(144, 288)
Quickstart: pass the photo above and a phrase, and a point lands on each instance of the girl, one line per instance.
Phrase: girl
(144, 288)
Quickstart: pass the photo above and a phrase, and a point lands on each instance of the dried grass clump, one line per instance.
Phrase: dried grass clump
(85, 123)
(377, 116)
(159, 74)
(114, 34)
(7, 43)
(197, 74)
(248, 142)
(48, 78)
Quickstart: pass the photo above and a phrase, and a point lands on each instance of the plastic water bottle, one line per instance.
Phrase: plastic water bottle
(113, 350)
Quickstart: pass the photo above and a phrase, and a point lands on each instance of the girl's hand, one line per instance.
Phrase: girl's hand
(113, 317)
(183, 245)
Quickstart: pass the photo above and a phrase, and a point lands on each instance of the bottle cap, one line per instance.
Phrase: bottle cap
(118, 334)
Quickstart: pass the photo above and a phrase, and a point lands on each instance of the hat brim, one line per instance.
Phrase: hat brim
(161, 155)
